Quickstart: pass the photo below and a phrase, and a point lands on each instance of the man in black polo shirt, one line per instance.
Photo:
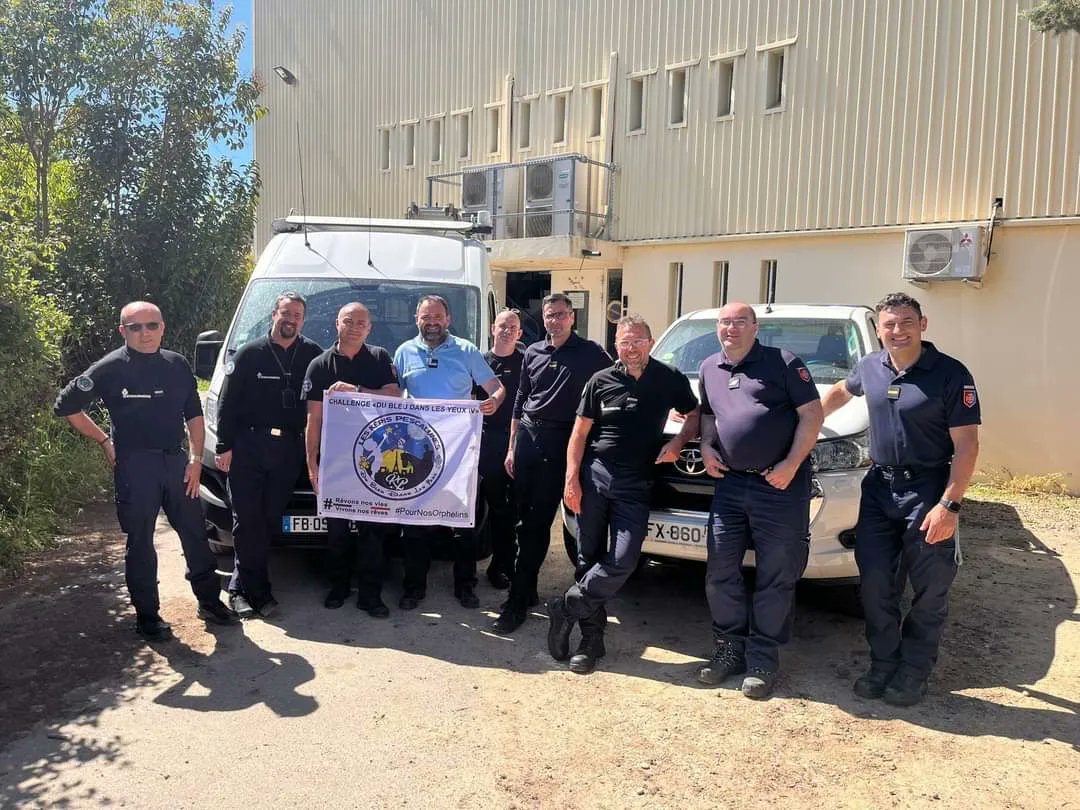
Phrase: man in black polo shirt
(924, 440)
(261, 445)
(761, 415)
(617, 437)
(553, 373)
(349, 365)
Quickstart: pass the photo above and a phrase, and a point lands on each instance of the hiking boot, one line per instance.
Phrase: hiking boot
(509, 620)
(727, 660)
(217, 613)
(336, 598)
(152, 628)
(871, 685)
(558, 637)
(467, 596)
(905, 689)
(758, 683)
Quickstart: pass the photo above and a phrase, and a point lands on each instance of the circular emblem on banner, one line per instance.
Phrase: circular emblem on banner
(84, 384)
(398, 456)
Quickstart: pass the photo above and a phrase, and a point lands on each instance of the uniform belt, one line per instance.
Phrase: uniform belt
(891, 471)
(276, 432)
(753, 471)
(532, 421)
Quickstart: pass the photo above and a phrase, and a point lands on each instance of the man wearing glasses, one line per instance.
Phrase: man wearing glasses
(260, 446)
(617, 439)
(760, 418)
(553, 373)
(150, 394)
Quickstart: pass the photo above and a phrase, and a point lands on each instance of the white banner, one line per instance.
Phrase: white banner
(408, 461)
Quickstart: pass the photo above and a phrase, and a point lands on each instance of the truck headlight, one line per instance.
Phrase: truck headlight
(846, 453)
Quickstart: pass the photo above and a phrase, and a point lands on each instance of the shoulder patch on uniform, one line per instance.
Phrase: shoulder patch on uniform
(230, 367)
(306, 387)
(84, 383)
(969, 397)
(804, 374)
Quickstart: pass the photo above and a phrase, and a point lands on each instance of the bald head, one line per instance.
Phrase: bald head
(736, 326)
(353, 327)
(137, 307)
(142, 326)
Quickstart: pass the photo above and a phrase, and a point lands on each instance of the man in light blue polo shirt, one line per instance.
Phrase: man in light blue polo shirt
(438, 365)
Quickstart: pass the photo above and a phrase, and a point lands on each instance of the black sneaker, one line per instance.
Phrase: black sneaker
(871, 685)
(559, 630)
(905, 689)
(241, 606)
(375, 608)
(509, 621)
(152, 628)
(727, 660)
(336, 598)
(758, 683)
(217, 613)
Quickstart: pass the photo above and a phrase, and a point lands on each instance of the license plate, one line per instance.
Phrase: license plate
(662, 529)
(303, 524)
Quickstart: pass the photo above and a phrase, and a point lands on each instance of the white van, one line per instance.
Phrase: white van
(385, 264)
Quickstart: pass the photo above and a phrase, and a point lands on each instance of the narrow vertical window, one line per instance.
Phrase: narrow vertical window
(461, 122)
(596, 111)
(725, 88)
(720, 282)
(678, 87)
(775, 80)
(635, 112)
(675, 289)
(767, 290)
(408, 147)
(384, 149)
(494, 129)
(524, 125)
(436, 130)
(560, 119)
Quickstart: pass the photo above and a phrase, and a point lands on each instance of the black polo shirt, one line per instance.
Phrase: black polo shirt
(508, 370)
(371, 367)
(911, 411)
(262, 389)
(629, 414)
(755, 402)
(149, 397)
(552, 379)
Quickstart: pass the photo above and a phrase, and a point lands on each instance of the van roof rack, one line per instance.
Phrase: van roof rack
(294, 223)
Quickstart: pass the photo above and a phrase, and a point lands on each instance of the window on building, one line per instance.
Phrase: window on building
(721, 270)
(494, 129)
(675, 289)
(560, 128)
(678, 89)
(767, 290)
(524, 124)
(462, 130)
(436, 130)
(384, 149)
(596, 111)
(725, 88)
(408, 146)
(775, 80)
(635, 111)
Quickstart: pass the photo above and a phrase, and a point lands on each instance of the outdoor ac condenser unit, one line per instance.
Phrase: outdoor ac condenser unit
(944, 254)
(553, 193)
(498, 191)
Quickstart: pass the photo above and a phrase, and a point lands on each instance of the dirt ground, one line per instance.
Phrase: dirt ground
(428, 709)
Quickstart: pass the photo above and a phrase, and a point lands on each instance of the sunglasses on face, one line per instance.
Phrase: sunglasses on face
(135, 328)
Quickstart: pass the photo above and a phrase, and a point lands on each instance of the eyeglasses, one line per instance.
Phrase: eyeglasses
(510, 309)
(558, 315)
(738, 323)
(632, 343)
(135, 328)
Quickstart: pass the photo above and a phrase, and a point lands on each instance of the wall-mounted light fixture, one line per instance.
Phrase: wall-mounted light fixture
(590, 254)
(285, 74)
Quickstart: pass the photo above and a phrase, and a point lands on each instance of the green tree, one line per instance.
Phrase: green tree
(1058, 16)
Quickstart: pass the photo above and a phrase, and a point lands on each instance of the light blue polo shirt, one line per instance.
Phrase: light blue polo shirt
(446, 372)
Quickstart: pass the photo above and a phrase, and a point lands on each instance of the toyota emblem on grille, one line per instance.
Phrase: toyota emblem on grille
(690, 462)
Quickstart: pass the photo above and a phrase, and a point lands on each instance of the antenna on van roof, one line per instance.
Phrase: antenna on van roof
(370, 263)
(303, 196)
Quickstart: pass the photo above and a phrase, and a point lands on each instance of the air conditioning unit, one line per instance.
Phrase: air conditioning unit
(496, 190)
(477, 190)
(945, 254)
(553, 192)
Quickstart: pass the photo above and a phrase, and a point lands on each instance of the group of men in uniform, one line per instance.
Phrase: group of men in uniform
(580, 429)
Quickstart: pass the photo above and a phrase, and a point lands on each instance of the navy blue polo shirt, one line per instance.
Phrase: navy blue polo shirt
(552, 378)
(629, 414)
(755, 402)
(911, 411)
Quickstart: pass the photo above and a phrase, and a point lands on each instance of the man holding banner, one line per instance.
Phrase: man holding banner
(353, 366)
(438, 365)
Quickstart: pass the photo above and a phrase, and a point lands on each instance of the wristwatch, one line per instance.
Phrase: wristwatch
(952, 506)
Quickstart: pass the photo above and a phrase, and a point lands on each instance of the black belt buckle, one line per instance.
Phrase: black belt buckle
(894, 473)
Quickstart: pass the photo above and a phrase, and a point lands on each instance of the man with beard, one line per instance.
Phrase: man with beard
(618, 436)
(351, 365)
(438, 365)
(150, 394)
(260, 445)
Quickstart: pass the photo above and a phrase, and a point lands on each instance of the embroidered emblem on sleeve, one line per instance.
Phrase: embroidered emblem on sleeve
(969, 397)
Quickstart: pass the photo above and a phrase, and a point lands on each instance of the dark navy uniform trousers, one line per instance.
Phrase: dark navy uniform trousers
(748, 512)
(148, 481)
(496, 488)
(262, 477)
(361, 551)
(611, 528)
(888, 542)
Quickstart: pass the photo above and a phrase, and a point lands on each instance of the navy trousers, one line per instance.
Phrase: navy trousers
(888, 541)
(146, 482)
(496, 488)
(748, 512)
(261, 480)
(361, 551)
(611, 528)
(539, 473)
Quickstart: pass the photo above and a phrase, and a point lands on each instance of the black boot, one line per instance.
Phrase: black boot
(727, 659)
(559, 629)
(591, 649)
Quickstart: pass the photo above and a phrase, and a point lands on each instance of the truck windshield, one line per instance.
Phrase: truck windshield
(392, 305)
(829, 347)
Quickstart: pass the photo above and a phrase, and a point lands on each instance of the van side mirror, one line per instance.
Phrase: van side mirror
(207, 348)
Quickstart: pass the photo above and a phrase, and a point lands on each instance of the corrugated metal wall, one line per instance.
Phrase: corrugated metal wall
(896, 111)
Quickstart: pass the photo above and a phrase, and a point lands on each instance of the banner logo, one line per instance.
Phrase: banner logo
(398, 456)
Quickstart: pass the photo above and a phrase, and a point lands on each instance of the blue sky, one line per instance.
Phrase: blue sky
(241, 18)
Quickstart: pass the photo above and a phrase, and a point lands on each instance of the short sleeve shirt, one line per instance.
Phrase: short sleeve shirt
(755, 402)
(912, 411)
(553, 377)
(629, 414)
(447, 371)
(371, 367)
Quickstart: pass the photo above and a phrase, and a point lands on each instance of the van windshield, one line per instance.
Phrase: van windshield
(392, 305)
(829, 347)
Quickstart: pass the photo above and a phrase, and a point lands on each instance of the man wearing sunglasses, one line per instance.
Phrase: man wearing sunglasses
(150, 394)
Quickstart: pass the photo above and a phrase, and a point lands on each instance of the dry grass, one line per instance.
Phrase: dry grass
(1003, 480)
